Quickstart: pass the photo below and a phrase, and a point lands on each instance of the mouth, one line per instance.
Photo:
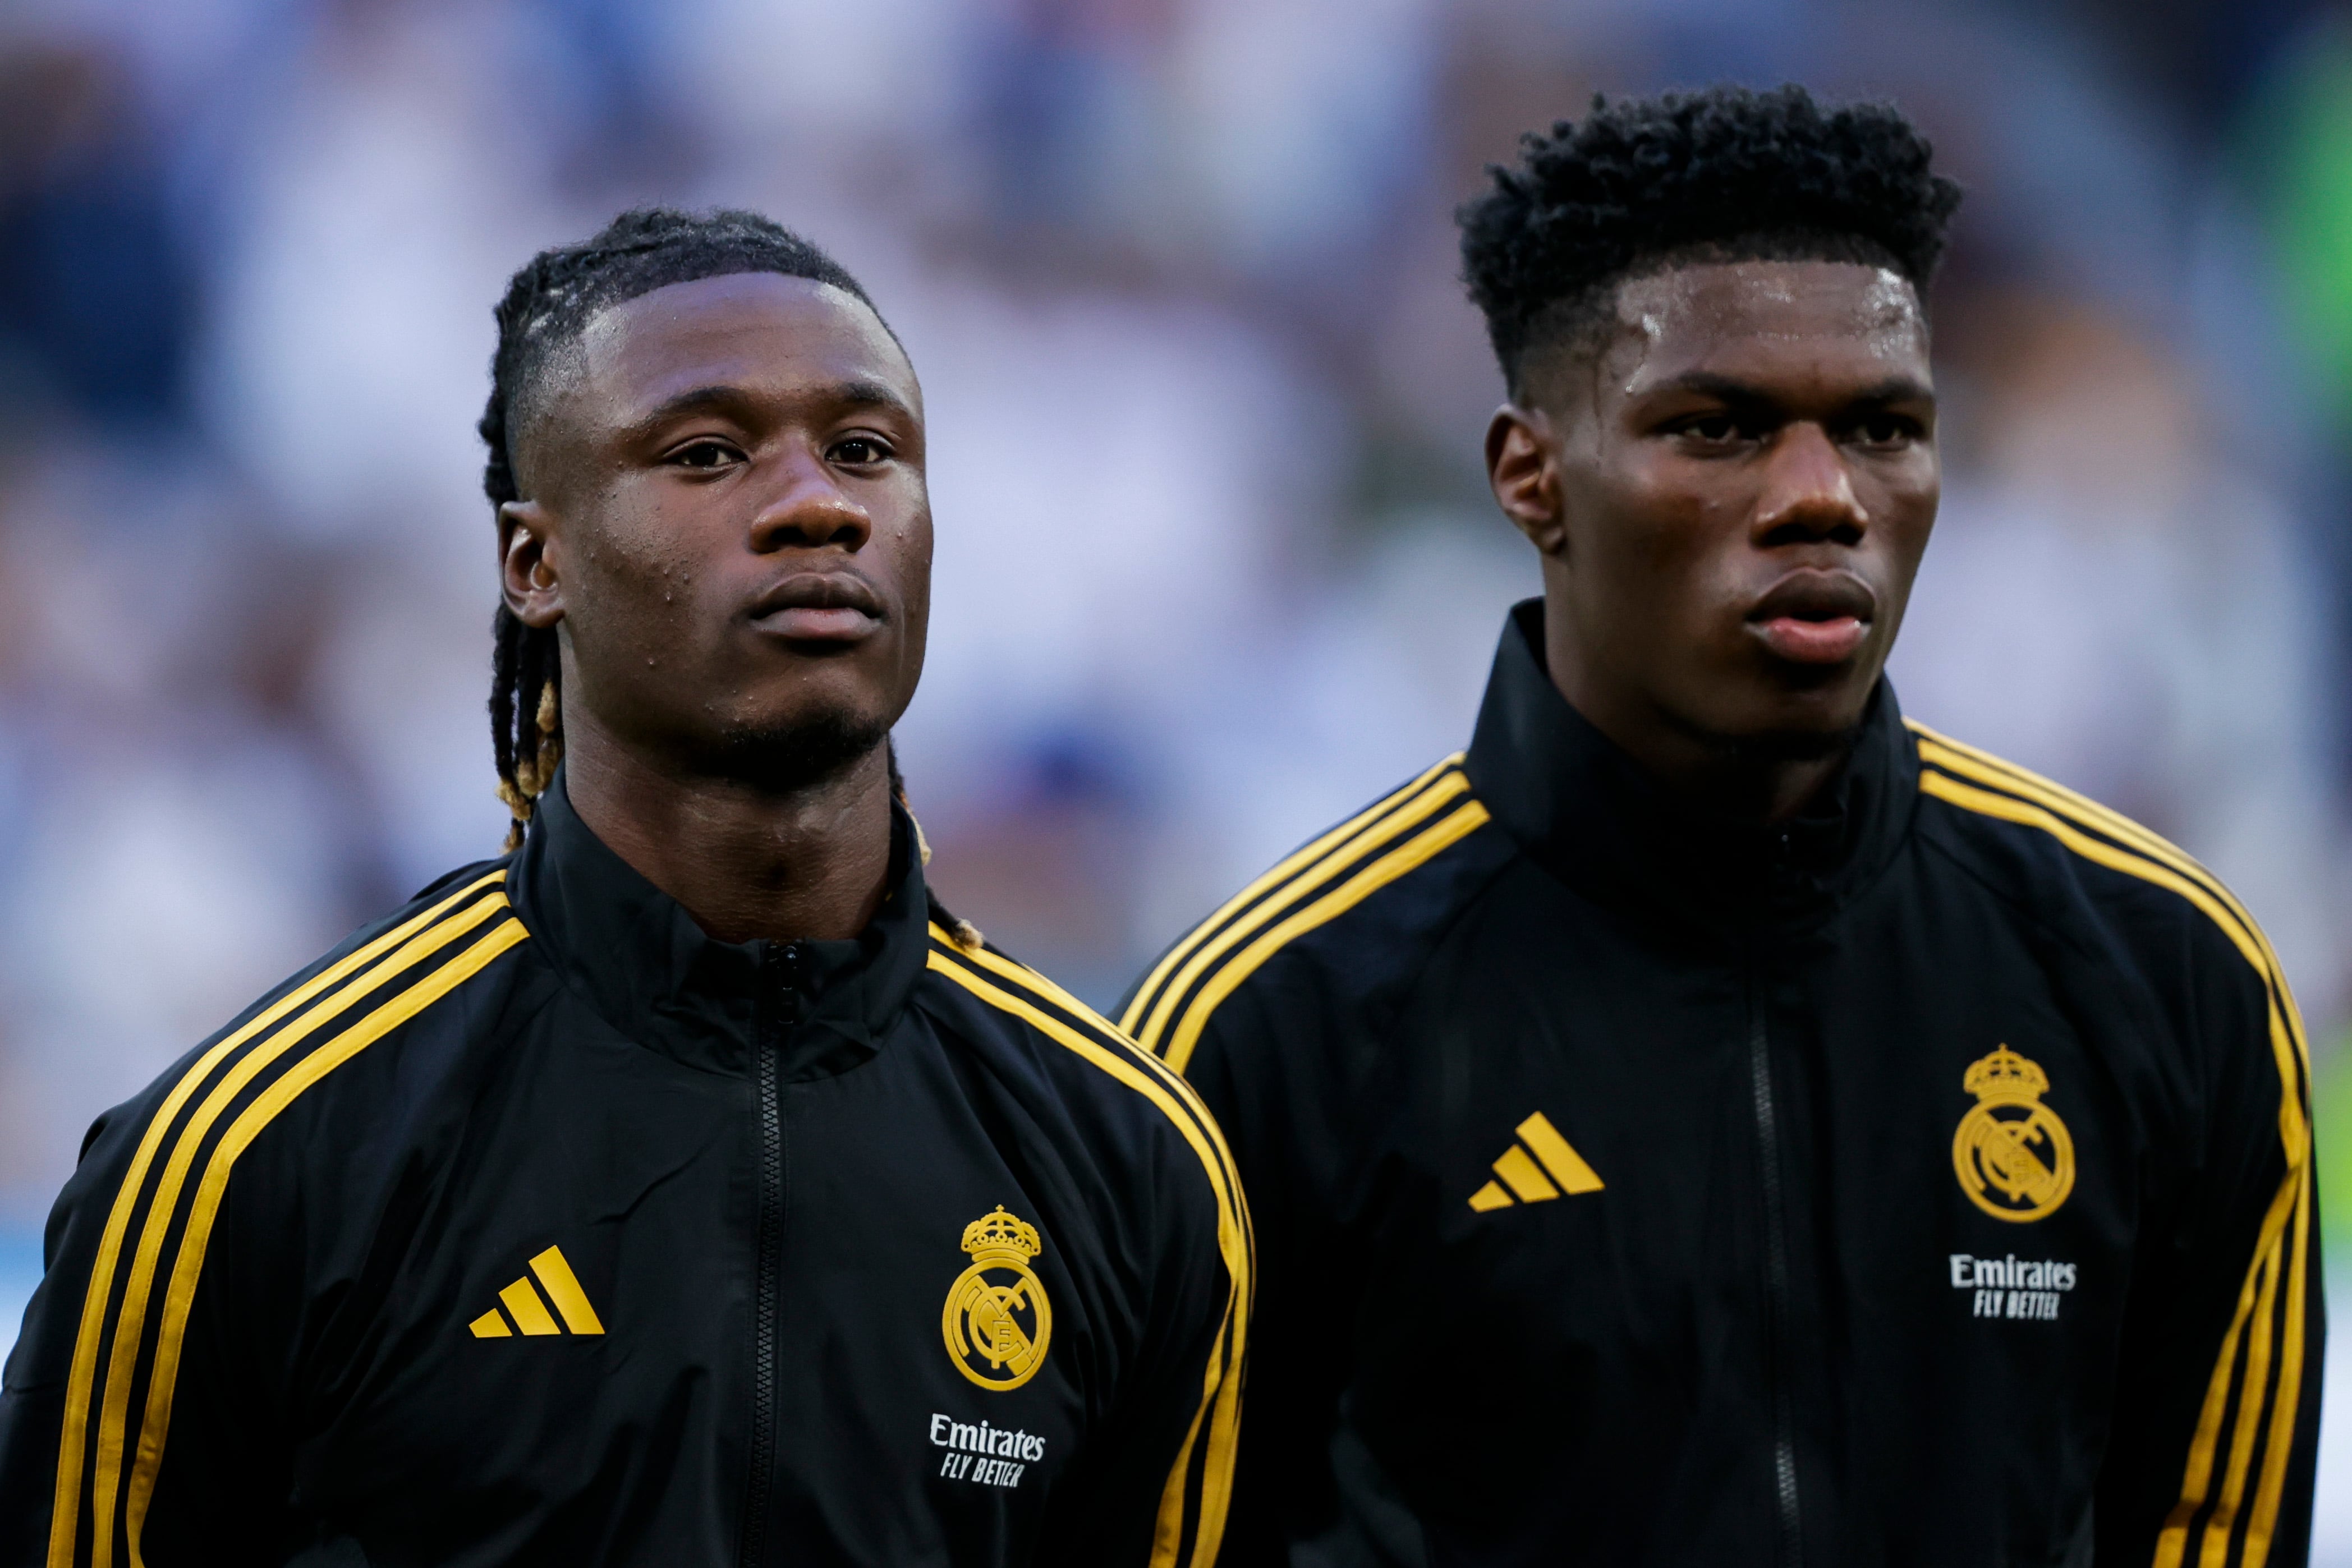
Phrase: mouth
(1812, 617)
(819, 607)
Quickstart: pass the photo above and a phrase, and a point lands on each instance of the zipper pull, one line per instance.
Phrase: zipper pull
(788, 975)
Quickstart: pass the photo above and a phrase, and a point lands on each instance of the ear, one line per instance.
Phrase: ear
(527, 556)
(1523, 469)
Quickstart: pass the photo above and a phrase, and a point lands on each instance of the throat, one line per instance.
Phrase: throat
(747, 861)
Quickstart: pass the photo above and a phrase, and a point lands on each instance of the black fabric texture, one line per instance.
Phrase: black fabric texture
(761, 1166)
(1795, 1321)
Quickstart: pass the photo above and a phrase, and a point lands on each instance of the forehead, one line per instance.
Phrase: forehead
(1766, 320)
(759, 331)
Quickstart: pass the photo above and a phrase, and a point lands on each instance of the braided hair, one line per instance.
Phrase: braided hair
(548, 305)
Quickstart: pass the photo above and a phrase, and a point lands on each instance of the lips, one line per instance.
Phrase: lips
(1812, 617)
(819, 607)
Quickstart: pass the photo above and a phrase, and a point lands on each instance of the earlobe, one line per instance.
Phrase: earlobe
(1523, 470)
(527, 550)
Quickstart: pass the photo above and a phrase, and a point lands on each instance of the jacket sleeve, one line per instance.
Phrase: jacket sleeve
(1154, 1489)
(119, 1344)
(2212, 1450)
(1259, 1061)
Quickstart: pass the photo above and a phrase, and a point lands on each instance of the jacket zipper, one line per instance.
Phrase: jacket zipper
(779, 1009)
(1789, 1541)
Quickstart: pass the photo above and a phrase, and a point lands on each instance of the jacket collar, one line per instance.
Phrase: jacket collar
(1587, 812)
(640, 960)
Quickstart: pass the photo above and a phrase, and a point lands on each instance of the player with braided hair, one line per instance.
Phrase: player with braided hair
(684, 1185)
(546, 306)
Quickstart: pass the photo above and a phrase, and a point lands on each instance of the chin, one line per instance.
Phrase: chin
(1799, 725)
(795, 751)
(1818, 724)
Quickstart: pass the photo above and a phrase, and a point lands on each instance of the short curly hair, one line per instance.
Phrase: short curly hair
(1726, 174)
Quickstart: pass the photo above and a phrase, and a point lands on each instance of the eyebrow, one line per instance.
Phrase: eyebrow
(1747, 394)
(725, 397)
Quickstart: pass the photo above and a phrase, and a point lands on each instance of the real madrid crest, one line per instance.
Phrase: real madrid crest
(2014, 1157)
(997, 1320)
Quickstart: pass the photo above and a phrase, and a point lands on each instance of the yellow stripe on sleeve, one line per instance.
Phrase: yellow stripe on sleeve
(1138, 1007)
(1414, 852)
(1168, 1528)
(1410, 815)
(2262, 1354)
(130, 1320)
(2261, 1524)
(1952, 757)
(289, 1086)
(81, 1379)
(1020, 975)
(1221, 1383)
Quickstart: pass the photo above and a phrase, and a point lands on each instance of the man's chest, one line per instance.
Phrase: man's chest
(1636, 1203)
(666, 1310)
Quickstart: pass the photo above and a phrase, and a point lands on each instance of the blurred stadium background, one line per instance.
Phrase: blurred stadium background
(1216, 559)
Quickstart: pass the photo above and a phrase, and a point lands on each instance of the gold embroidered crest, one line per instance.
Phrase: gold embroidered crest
(2014, 1157)
(997, 1321)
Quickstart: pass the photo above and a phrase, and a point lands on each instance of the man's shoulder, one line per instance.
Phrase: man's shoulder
(1337, 919)
(1085, 1081)
(381, 988)
(308, 1092)
(2066, 861)
(385, 977)
(1037, 1036)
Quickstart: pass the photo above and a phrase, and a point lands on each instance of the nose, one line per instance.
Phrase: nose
(1808, 492)
(809, 509)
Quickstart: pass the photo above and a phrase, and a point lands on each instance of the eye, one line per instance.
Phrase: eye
(1887, 430)
(1713, 430)
(706, 453)
(859, 451)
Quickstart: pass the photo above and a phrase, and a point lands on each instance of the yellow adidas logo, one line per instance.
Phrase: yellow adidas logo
(1524, 1177)
(529, 1313)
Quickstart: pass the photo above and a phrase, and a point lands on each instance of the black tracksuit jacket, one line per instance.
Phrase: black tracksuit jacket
(532, 1226)
(1927, 1181)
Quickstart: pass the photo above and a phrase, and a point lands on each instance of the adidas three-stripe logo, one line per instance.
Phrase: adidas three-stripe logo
(529, 1309)
(1553, 1169)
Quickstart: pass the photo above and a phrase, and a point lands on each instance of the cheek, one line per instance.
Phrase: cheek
(643, 584)
(904, 545)
(1902, 503)
(1660, 544)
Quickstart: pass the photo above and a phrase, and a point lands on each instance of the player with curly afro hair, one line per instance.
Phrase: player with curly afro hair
(1710, 314)
(1710, 1121)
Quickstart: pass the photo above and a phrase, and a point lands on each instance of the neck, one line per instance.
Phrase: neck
(1742, 780)
(746, 861)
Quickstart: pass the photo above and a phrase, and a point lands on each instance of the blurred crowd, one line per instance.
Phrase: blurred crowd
(1216, 558)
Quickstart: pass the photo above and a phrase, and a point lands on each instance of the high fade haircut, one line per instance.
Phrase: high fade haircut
(1728, 174)
(548, 305)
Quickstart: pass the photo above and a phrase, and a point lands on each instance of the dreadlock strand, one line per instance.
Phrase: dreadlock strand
(539, 747)
(547, 305)
(961, 932)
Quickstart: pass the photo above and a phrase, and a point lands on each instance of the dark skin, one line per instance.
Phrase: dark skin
(1730, 496)
(727, 523)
